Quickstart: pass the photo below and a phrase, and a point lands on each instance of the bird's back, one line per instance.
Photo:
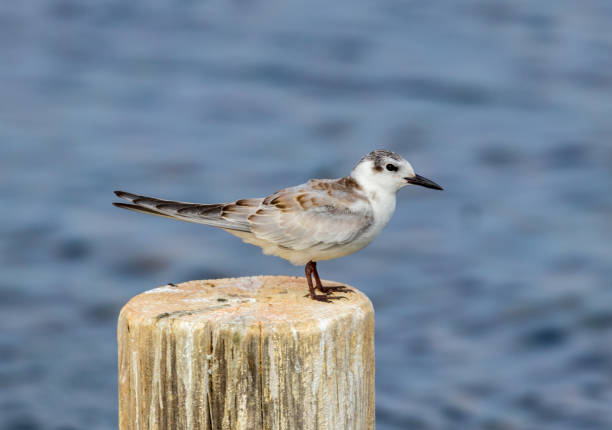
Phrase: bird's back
(318, 220)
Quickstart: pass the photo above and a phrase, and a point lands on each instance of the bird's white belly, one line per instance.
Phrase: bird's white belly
(301, 257)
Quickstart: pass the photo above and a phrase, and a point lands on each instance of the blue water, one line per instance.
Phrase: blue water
(493, 298)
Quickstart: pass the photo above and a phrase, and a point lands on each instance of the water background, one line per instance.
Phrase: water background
(493, 298)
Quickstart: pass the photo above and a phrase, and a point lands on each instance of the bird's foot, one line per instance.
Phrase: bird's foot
(335, 289)
(324, 297)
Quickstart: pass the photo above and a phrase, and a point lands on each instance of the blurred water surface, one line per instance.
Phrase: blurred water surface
(493, 298)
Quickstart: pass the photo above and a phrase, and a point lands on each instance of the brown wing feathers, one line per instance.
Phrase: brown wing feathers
(211, 214)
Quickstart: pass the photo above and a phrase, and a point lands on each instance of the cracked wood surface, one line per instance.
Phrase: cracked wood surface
(245, 353)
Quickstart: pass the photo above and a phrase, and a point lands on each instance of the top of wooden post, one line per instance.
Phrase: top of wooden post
(246, 353)
(270, 300)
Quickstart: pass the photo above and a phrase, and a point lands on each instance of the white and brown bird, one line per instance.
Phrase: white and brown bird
(319, 220)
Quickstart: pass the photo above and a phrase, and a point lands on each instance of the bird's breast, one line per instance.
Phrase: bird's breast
(381, 209)
(383, 206)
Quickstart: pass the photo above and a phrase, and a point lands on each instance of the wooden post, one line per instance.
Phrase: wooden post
(245, 353)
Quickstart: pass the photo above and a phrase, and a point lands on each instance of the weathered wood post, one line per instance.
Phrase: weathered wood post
(245, 353)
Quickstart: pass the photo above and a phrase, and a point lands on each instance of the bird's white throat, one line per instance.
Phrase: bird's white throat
(382, 198)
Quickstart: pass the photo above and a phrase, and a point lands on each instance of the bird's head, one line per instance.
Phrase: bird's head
(388, 171)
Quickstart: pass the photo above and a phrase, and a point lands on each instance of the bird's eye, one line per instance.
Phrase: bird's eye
(391, 167)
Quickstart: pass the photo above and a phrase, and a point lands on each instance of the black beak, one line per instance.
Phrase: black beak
(423, 182)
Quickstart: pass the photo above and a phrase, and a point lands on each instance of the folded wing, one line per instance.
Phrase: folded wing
(311, 217)
(320, 215)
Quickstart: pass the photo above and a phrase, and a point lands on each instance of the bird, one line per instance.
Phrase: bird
(319, 220)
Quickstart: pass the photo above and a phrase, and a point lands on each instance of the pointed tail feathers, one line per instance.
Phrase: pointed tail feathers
(211, 214)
